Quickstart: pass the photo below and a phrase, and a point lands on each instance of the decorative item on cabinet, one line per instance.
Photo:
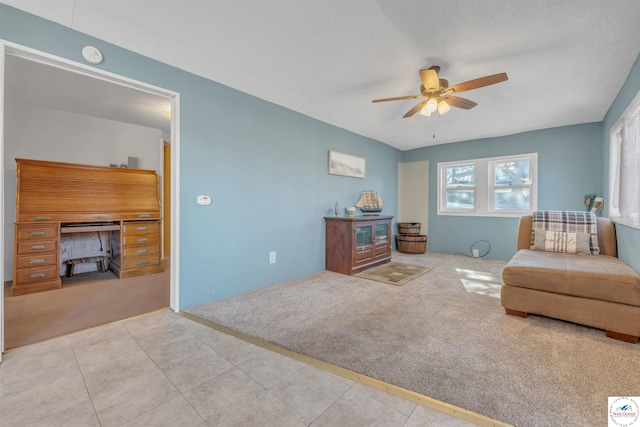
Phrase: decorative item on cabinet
(370, 203)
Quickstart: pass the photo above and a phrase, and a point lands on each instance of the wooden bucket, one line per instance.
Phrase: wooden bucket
(411, 244)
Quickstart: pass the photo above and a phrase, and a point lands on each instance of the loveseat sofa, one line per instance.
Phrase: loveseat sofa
(590, 286)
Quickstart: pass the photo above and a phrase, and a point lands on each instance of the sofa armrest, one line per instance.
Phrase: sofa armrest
(607, 237)
(524, 232)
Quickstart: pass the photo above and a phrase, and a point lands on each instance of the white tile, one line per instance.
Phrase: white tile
(356, 409)
(270, 368)
(234, 399)
(238, 351)
(310, 391)
(97, 335)
(197, 369)
(138, 324)
(423, 416)
(133, 398)
(169, 343)
(401, 405)
(176, 412)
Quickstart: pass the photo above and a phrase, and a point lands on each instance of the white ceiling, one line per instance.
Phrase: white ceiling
(328, 59)
(34, 83)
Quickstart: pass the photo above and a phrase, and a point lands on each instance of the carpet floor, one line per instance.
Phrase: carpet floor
(443, 335)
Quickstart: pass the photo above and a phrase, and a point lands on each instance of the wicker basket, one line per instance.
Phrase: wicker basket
(408, 228)
(411, 244)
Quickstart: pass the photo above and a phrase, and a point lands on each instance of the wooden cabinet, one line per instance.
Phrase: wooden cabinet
(36, 258)
(355, 244)
(139, 249)
(54, 198)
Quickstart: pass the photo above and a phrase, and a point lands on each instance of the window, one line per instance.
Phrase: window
(624, 163)
(497, 186)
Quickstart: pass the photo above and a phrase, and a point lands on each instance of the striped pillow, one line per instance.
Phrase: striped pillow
(561, 241)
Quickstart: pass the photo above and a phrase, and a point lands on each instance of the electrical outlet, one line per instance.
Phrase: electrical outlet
(272, 257)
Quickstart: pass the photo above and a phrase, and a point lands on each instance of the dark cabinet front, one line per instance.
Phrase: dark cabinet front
(357, 243)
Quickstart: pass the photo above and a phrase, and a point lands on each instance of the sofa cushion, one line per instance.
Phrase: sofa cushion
(561, 241)
(568, 221)
(601, 277)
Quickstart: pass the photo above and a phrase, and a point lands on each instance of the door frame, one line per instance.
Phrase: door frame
(9, 48)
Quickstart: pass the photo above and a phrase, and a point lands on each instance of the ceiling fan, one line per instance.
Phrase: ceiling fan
(438, 96)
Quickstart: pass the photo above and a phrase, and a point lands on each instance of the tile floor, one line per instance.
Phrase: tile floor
(162, 369)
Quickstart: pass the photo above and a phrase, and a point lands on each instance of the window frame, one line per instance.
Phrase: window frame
(485, 187)
(616, 142)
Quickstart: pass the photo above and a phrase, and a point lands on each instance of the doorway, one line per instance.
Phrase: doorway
(116, 85)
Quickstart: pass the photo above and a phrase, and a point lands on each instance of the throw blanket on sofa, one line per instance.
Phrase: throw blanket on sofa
(569, 222)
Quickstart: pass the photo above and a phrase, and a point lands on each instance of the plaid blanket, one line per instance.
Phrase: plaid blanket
(570, 222)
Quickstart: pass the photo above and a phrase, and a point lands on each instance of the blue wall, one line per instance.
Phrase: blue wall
(264, 166)
(629, 245)
(569, 166)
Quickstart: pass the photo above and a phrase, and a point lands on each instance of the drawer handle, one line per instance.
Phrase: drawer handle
(142, 239)
(99, 216)
(37, 233)
(144, 216)
(142, 262)
(36, 261)
(37, 276)
(142, 228)
(142, 251)
(43, 218)
(37, 247)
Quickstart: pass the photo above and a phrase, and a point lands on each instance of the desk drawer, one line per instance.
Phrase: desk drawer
(144, 260)
(141, 228)
(37, 247)
(141, 239)
(37, 233)
(37, 274)
(29, 261)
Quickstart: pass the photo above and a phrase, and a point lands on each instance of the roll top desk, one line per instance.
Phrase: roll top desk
(55, 198)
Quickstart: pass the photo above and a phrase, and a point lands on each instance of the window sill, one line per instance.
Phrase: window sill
(628, 222)
(486, 214)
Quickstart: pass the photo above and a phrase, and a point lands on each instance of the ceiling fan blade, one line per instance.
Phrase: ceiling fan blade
(430, 80)
(456, 101)
(415, 109)
(399, 98)
(477, 83)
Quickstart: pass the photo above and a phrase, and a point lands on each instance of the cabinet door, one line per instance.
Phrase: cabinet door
(363, 236)
(382, 247)
(363, 245)
(382, 233)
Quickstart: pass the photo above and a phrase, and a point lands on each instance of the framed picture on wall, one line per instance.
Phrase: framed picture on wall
(346, 164)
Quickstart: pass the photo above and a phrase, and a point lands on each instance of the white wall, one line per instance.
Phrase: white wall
(41, 133)
(413, 193)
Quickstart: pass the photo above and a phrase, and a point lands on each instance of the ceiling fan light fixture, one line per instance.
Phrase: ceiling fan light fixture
(432, 105)
(425, 112)
(443, 107)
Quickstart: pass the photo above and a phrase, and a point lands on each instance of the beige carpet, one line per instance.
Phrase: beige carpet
(443, 335)
(394, 273)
